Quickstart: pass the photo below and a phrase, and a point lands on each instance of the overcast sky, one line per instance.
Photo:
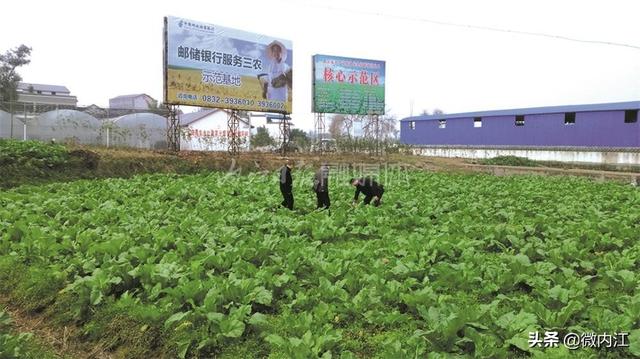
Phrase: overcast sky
(102, 49)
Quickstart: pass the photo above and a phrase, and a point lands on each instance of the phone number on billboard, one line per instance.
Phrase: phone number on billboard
(227, 100)
(271, 105)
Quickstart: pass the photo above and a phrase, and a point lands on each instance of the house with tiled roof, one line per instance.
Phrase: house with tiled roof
(140, 101)
(43, 94)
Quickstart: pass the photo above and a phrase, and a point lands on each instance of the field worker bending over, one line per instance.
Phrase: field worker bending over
(370, 188)
(321, 186)
(286, 185)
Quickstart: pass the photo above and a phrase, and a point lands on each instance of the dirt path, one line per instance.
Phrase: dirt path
(257, 161)
(63, 341)
(597, 175)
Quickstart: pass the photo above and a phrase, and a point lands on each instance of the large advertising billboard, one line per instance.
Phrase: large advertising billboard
(213, 66)
(347, 85)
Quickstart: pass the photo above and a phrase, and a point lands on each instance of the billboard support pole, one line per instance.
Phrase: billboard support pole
(319, 128)
(376, 122)
(233, 124)
(173, 129)
(285, 128)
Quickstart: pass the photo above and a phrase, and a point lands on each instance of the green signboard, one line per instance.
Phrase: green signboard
(348, 85)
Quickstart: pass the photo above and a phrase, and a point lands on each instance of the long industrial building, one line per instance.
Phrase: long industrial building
(599, 133)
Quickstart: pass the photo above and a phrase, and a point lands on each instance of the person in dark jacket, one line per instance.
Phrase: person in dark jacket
(370, 188)
(321, 186)
(286, 185)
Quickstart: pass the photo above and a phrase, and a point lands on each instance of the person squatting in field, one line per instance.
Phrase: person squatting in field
(321, 186)
(286, 185)
(370, 188)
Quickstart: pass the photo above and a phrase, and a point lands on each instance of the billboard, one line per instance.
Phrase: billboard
(213, 66)
(348, 85)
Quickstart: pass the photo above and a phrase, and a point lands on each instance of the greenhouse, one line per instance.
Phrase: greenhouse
(139, 130)
(60, 125)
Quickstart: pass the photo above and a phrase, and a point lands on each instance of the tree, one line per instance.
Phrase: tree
(336, 128)
(349, 121)
(388, 127)
(261, 138)
(154, 104)
(385, 128)
(9, 78)
(299, 137)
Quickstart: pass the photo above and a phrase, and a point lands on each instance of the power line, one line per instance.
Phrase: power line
(487, 28)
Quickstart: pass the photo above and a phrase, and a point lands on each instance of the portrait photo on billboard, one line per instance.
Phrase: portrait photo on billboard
(213, 66)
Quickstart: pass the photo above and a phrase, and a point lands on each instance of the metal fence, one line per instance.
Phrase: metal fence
(90, 125)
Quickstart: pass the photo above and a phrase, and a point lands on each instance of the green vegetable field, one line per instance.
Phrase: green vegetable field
(207, 266)
(31, 153)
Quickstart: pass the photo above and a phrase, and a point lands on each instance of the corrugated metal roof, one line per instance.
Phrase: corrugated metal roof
(42, 87)
(616, 106)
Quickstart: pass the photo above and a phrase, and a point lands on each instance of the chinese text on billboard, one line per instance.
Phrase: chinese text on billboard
(213, 66)
(348, 85)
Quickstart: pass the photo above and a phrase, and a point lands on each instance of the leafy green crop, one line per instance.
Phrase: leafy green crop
(449, 264)
(32, 153)
(18, 345)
